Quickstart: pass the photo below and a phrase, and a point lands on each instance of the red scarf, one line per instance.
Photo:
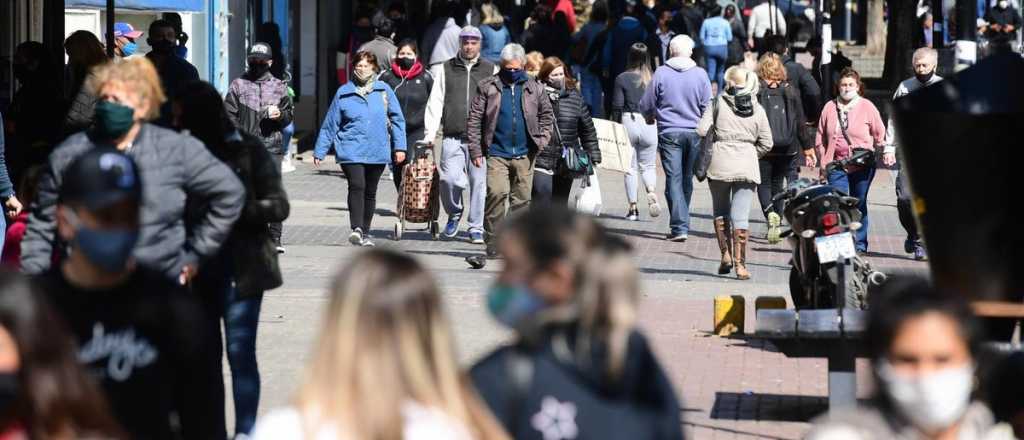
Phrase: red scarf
(416, 69)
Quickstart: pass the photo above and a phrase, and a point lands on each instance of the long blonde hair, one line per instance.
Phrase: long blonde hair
(385, 341)
(491, 14)
(136, 74)
(608, 298)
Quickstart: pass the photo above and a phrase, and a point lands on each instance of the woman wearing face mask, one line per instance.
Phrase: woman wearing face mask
(569, 290)
(742, 137)
(412, 82)
(924, 345)
(552, 183)
(385, 364)
(847, 123)
(629, 89)
(364, 125)
(44, 393)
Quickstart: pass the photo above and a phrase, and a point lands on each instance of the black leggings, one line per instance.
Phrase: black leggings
(551, 189)
(362, 192)
(774, 170)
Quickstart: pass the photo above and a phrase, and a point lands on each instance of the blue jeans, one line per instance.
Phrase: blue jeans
(590, 86)
(678, 151)
(286, 135)
(715, 57)
(857, 185)
(241, 317)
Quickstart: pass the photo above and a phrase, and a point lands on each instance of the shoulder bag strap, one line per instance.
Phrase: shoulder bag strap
(842, 127)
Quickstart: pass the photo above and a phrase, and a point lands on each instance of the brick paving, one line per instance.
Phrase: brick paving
(731, 387)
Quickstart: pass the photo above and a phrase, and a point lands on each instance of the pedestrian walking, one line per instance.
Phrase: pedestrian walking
(715, 36)
(412, 84)
(665, 35)
(441, 19)
(1001, 25)
(363, 125)
(495, 35)
(621, 37)
(781, 103)
(798, 76)
(578, 364)
(510, 120)
(113, 306)
(384, 325)
(174, 71)
(382, 45)
(766, 19)
(738, 45)
(847, 123)
(448, 110)
(545, 35)
(630, 88)
(926, 346)
(85, 53)
(676, 99)
(258, 104)
(586, 53)
(232, 281)
(175, 168)
(573, 128)
(45, 392)
(742, 136)
(925, 59)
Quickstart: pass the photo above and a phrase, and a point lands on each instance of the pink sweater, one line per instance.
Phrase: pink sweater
(865, 130)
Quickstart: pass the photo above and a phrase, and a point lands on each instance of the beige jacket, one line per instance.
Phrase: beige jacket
(739, 142)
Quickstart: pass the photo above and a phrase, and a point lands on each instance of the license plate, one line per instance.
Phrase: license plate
(833, 247)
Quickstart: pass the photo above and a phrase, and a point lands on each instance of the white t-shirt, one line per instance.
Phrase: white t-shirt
(421, 423)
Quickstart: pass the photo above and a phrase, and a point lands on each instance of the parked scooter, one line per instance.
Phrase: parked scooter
(822, 220)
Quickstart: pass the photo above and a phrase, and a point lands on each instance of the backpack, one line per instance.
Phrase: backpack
(781, 119)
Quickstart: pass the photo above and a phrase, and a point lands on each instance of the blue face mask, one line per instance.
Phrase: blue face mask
(511, 304)
(513, 76)
(109, 249)
(129, 49)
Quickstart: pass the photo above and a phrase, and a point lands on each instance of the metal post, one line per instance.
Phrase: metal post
(938, 25)
(826, 47)
(110, 28)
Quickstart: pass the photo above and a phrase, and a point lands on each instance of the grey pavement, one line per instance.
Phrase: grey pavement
(731, 387)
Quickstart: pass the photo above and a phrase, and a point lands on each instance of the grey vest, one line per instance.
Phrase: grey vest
(460, 89)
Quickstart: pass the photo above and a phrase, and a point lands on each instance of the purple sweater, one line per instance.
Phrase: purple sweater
(677, 96)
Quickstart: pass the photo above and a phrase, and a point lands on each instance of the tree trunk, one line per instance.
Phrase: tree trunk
(903, 30)
(876, 26)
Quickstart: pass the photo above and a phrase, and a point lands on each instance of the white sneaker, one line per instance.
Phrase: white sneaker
(652, 204)
(356, 237)
(280, 249)
(366, 242)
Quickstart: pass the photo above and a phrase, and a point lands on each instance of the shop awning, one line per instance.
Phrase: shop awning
(141, 5)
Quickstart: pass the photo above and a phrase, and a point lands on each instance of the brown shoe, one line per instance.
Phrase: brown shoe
(724, 245)
(739, 252)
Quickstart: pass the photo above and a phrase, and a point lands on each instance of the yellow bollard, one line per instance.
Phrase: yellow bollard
(769, 303)
(729, 315)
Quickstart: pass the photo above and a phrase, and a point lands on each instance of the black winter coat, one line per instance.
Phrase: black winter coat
(574, 125)
(249, 252)
(521, 383)
(412, 94)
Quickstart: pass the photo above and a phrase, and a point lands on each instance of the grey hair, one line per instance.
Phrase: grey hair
(926, 52)
(681, 46)
(513, 52)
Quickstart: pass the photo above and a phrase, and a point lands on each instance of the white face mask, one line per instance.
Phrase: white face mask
(931, 402)
(1003, 5)
(848, 95)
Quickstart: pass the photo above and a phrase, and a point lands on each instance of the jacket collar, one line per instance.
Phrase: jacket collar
(349, 88)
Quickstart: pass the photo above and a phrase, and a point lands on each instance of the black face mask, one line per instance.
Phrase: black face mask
(405, 63)
(925, 78)
(161, 46)
(258, 69)
(9, 390)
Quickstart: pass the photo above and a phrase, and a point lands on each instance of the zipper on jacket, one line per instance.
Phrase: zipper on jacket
(469, 81)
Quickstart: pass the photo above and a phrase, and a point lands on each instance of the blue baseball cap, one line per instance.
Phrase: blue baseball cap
(126, 30)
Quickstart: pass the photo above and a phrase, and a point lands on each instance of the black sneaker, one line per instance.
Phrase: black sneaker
(677, 237)
(477, 261)
(633, 214)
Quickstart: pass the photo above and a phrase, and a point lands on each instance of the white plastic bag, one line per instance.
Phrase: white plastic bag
(588, 200)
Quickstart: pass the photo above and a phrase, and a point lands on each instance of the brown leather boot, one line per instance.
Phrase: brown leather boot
(739, 252)
(724, 245)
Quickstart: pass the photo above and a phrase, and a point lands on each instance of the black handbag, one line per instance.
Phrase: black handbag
(700, 167)
(575, 159)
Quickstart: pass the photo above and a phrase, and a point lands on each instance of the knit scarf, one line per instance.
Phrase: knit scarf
(413, 71)
(742, 98)
(363, 88)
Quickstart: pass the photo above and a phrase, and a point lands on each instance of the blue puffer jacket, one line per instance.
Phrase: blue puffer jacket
(357, 127)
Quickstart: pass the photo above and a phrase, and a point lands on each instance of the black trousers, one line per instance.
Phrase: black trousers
(362, 193)
(551, 188)
(774, 171)
(904, 204)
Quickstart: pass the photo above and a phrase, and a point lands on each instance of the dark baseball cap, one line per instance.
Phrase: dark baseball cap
(260, 51)
(99, 178)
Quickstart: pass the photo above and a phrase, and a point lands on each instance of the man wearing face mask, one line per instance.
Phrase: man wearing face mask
(258, 104)
(1002, 23)
(925, 59)
(510, 119)
(124, 40)
(455, 87)
(137, 331)
(174, 71)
